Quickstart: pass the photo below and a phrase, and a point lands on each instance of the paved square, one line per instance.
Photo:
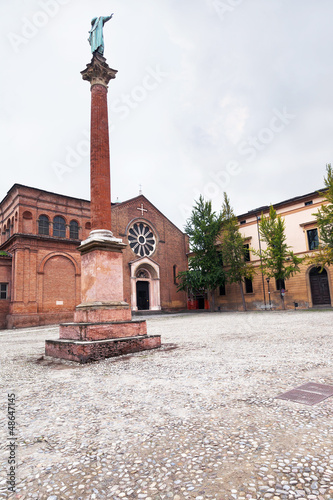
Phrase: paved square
(196, 419)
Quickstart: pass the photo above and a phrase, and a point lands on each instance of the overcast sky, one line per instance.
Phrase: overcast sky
(210, 96)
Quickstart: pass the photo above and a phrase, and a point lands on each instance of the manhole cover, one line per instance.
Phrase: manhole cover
(308, 394)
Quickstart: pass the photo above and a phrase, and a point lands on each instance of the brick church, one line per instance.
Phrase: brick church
(40, 264)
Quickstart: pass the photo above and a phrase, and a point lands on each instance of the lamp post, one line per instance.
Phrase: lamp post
(269, 294)
(262, 274)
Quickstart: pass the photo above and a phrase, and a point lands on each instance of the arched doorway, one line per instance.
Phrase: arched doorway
(145, 285)
(320, 290)
(142, 295)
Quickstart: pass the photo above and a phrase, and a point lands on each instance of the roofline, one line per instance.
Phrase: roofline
(265, 208)
(113, 204)
(16, 185)
(157, 210)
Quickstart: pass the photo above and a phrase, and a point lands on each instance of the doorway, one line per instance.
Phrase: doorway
(319, 287)
(142, 295)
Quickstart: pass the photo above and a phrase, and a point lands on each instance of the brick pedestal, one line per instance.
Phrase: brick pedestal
(103, 325)
(84, 352)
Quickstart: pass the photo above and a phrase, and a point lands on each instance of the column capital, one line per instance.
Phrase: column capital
(98, 71)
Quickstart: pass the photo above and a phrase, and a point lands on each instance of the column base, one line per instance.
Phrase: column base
(85, 352)
(101, 330)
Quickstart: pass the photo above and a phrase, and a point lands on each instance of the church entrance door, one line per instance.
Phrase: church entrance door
(142, 295)
(319, 287)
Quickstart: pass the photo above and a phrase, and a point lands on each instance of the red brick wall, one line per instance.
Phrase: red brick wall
(59, 285)
(39, 283)
(170, 249)
(5, 277)
(22, 200)
(35, 260)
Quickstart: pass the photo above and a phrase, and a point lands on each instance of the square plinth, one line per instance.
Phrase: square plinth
(87, 351)
(102, 312)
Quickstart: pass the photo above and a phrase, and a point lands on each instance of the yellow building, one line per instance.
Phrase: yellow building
(309, 288)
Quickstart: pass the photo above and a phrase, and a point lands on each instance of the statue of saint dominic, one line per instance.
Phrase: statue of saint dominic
(96, 39)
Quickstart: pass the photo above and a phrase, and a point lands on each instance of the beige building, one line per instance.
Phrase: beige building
(309, 288)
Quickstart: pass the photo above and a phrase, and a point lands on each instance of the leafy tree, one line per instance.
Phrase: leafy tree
(205, 265)
(234, 250)
(324, 216)
(278, 261)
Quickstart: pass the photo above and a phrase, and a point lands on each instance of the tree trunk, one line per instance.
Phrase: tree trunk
(212, 301)
(283, 304)
(242, 294)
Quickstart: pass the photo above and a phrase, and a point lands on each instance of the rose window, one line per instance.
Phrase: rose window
(141, 239)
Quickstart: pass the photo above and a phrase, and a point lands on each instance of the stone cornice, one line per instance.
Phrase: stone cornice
(17, 237)
(101, 239)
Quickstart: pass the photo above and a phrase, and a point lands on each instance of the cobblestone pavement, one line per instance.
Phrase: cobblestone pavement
(196, 419)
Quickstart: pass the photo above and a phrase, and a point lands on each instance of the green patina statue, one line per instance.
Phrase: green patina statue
(96, 34)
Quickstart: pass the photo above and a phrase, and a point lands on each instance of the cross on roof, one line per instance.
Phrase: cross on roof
(142, 209)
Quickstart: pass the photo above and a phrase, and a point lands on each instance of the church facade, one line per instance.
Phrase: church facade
(40, 272)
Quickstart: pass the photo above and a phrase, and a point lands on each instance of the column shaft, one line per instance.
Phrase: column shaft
(100, 189)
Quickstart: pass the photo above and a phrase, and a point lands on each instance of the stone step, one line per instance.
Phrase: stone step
(102, 330)
(87, 351)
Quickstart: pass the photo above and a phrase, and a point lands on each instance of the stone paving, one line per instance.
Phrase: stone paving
(196, 419)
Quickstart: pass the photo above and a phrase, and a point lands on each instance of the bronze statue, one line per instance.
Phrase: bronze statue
(96, 39)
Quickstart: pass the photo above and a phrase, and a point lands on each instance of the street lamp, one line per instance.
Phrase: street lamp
(269, 294)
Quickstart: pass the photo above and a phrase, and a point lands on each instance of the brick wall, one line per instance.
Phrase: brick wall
(5, 277)
(46, 269)
(170, 249)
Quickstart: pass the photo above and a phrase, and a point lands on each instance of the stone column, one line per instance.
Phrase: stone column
(99, 74)
(100, 192)
(103, 325)
(101, 254)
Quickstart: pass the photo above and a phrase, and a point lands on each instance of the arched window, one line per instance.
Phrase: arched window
(27, 215)
(175, 274)
(43, 225)
(74, 230)
(27, 223)
(142, 274)
(59, 227)
(6, 230)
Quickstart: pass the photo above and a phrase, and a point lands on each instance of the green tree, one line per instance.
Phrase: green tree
(278, 261)
(205, 271)
(234, 250)
(324, 216)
